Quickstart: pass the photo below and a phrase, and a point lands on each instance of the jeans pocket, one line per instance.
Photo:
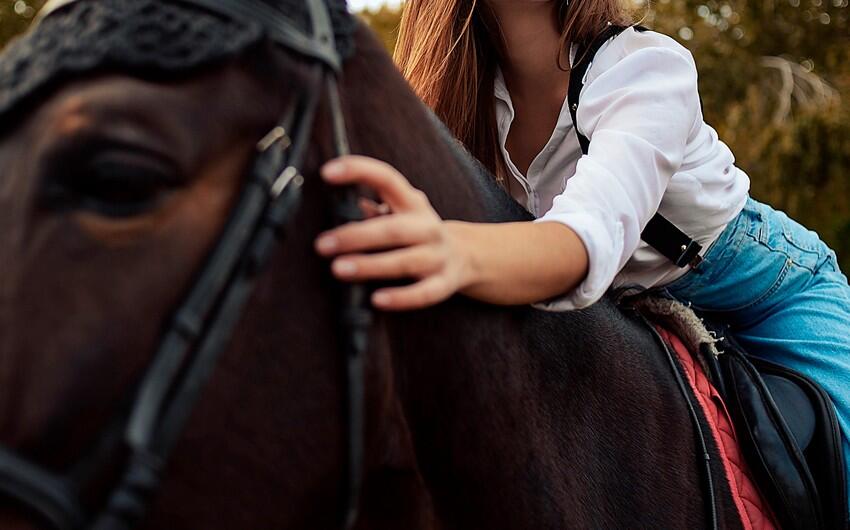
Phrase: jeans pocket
(758, 275)
(780, 233)
(782, 273)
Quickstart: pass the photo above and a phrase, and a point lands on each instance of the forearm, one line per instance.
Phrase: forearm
(510, 264)
(519, 263)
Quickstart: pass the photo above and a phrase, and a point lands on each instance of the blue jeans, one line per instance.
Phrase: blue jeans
(780, 289)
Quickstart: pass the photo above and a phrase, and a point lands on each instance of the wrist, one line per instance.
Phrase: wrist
(463, 246)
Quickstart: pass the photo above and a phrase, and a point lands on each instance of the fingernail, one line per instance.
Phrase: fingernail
(327, 244)
(344, 267)
(381, 299)
(333, 169)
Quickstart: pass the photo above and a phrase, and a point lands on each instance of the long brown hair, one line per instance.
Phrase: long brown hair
(448, 51)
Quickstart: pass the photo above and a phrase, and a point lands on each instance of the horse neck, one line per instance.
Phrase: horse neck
(506, 412)
(439, 372)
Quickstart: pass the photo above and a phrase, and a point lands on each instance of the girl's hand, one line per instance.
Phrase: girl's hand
(413, 240)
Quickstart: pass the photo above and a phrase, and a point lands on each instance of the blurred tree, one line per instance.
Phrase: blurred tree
(385, 22)
(15, 17)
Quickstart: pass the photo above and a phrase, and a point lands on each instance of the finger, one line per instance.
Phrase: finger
(413, 262)
(430, 291)
(372, 209)
(388, 183)
(378, 233)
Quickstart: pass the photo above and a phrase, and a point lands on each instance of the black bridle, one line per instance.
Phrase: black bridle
(204, 322)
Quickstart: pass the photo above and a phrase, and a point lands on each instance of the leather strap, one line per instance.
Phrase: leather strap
(659, 233)
(700, 435)
(50, 496)
(356, 322)
(671, 242)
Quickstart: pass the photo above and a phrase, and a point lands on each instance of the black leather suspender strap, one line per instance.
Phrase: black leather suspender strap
(671, 242)
(583, 60)
(659, 233)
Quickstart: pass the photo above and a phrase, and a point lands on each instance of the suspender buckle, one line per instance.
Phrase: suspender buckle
(690, 256)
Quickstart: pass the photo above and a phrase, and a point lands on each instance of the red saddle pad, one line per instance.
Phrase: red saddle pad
(754, 511)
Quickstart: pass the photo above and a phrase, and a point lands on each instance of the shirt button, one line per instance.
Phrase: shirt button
(575, 107)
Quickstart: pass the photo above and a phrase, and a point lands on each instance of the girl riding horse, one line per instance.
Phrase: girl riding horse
(497, 72)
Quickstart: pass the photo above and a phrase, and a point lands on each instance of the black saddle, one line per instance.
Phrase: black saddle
(789, 434)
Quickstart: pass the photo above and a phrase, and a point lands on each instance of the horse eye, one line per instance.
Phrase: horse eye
(116, 184)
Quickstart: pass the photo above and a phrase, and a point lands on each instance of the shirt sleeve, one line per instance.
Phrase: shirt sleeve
(638, 115)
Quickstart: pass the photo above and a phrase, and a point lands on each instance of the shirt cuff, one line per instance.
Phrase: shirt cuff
(604, 245)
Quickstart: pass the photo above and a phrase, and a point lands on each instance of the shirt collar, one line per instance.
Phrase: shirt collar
(500, 89)
(505, 112)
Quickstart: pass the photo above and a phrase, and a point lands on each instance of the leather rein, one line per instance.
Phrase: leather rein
(203, 324)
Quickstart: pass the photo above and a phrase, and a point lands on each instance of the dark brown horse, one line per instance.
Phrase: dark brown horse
(113, 190)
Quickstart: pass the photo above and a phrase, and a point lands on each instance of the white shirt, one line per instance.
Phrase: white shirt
(650, 150)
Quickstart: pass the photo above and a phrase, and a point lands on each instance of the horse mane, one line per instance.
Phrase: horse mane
(434, 161)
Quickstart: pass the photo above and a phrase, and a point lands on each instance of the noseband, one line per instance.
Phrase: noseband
(203, 324)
